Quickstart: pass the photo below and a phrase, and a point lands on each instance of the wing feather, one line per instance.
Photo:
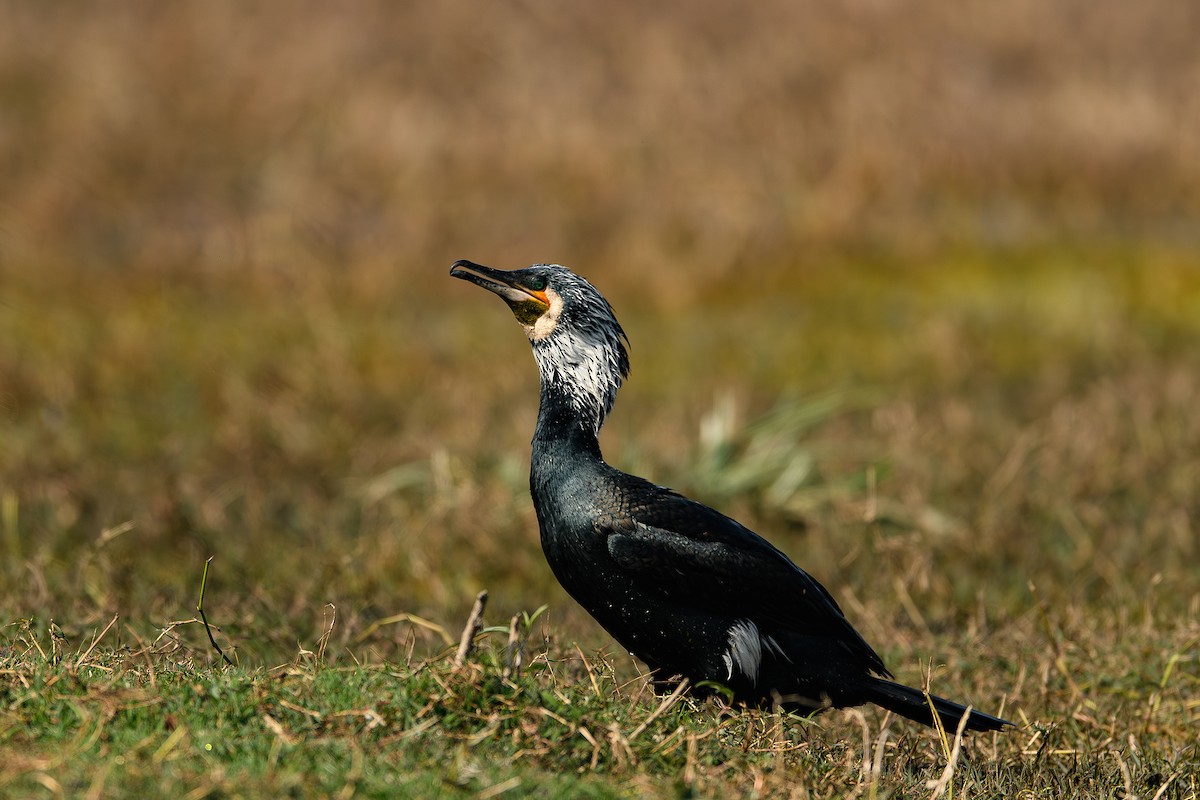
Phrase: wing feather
(699, 558)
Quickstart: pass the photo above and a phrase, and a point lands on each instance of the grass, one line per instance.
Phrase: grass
(913, 293)
(160, 718)
(1008, 516)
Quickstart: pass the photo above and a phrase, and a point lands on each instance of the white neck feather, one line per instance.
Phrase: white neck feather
(584, 369)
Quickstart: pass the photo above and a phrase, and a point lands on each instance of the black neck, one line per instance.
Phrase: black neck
(560, 426)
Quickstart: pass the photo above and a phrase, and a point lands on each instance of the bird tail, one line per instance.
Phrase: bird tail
(915, 705)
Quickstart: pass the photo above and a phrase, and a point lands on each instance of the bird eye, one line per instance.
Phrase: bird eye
(537, 283)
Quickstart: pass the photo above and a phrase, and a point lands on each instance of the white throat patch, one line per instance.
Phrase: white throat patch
(547, 322)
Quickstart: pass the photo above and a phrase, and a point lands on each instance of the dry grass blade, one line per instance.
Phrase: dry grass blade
(412, 619)
(474, 624)
(513, 652)
(500, 788)
(328, 621)
(79, 661)
(667, 702)
(204, 618)
(943, 783)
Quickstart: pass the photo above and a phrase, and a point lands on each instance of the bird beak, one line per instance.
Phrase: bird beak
(501, 282)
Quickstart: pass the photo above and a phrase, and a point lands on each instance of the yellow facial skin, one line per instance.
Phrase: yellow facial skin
(528, 311)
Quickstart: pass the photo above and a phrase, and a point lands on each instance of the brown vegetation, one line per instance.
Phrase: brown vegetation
(912, 289)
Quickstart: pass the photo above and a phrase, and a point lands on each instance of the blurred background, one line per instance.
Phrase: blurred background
(693, 139)
(912, 288)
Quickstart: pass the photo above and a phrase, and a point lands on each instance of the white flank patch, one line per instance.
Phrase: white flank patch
(745, 650)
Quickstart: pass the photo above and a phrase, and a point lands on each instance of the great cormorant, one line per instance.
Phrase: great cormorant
(687, 590)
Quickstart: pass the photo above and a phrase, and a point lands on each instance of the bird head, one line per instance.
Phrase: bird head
(577, 341)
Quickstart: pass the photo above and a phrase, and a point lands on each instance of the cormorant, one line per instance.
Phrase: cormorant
(687, 590)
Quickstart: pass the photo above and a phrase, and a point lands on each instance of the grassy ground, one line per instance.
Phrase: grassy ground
(999, 483)
(924, 315)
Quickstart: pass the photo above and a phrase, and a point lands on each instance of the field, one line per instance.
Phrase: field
(912, 291)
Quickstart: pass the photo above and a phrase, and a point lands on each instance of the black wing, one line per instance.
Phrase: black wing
(699, 558)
